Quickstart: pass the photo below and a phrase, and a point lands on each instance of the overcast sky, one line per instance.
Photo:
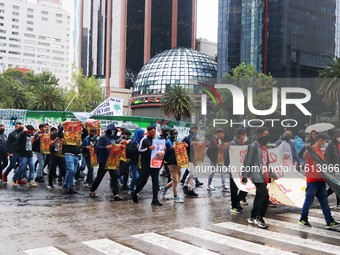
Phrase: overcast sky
(207, 17)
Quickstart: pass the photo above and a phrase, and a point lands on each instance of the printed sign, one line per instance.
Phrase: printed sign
(45, 141)
(181, 155)
(220, 160)
(157, 155)
(110, 107)
(93, 157)
(72, 133)
(114, 157)
(89, 124)
(199, 152)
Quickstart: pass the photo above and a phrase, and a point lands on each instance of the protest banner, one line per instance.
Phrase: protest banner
(220, 160)
(157, 155)
(199, 152)
(181, 155)
(93, 157)
(72, 133)
(45, 142)
(95, 124)
(114, 157)
(59, 153)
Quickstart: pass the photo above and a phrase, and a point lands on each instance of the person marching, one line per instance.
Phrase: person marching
(175, 170)
(41, 157)
(104, 147)
(3, 149)
(124, 165)
(256, 167)
(236, 195)
(88, 143)
(316, 185)
(145, 149)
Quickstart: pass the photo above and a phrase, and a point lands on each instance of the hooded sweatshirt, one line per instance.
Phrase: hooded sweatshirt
(132, 150)
(103, 141)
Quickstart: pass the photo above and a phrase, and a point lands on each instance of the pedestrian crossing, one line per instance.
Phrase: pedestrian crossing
(220, 238)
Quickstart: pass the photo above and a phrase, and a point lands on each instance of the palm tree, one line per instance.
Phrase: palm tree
(177, 102)
(47, 98)
(329, 86)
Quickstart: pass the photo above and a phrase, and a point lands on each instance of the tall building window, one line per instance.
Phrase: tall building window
(2, 4)
(2, 11)
(15, 33)
(30, 16)
(44, 19)
(2, 38)
(16, 13)
(15, 26)
(1, 24)
(59, 22)
(30, 22)
(29, 35)
(14, 52)
(14, 46)
(15, 39)
(29, 10)
(44, 37)
(29, 29)
(44, 12)
(16, 7)
(15, 20)
(44, 44)
(43, 50)
(29, 41)
(56, 40)
(28, 48)
(59, 15)
(3, 31)
(1, 17)
(29, 54)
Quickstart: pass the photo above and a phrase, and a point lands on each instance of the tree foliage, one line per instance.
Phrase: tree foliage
(177, 102)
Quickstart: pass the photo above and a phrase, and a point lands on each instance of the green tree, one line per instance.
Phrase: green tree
(177, 102)
(88, 91)
(44, 78)
(329, 84)
(47, 98)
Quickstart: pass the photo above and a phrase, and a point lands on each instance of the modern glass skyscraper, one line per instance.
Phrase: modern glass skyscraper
(119, 37)
(284, 37)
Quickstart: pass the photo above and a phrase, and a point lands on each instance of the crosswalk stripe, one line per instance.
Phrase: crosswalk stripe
(296, 226)
(335, 214)
(107, 246)
(172, 244)
(295, 240)
(45, 251)
(231, 241)
(311, 219)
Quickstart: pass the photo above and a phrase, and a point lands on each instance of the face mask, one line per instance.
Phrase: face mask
(264, 140)
(119, 134)
(2, 131)
(338, 139)
(245, 139)
(324, 145)
(287, 137)
(21, 129)
(92, 135)
(109, 132)
(174, 138)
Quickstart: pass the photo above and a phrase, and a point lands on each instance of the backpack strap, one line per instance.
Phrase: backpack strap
(87, 141)
(169, 141)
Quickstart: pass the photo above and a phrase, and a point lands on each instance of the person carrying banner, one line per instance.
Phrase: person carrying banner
(3, 149)
(236, 195)
(41, 157)
(332, 157)
(316, 185)
(256, 167)
(212, 153)
(133, 154)
(12, 150)
(88, 143)
(189, 184)
(175, 170)
(145, 149)
(124, 161)
(165, 133)
(25, 157)
(104, 146)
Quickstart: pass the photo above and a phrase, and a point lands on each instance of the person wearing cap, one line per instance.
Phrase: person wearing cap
(88, 143)
(104, 147)
(25, 157)
(214, 147)
(332, 157)
(316, 185)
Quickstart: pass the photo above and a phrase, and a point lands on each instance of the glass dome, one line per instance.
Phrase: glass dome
(176, 66)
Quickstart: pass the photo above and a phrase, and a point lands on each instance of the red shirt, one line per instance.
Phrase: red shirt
(312, 171)
(264, 162)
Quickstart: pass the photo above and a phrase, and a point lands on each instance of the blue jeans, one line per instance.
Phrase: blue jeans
(71, 167)
(83, 164)
(23, 163)
(316, 189)
(134, 176)
(41, 160)
(12, 162)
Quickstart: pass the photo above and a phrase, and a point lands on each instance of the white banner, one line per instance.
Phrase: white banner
(9, 117)
(110, 107)
(290, 187)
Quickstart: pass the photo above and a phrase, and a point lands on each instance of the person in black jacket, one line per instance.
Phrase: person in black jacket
(3, 149)
(145, 149)
(12, 150)
(26, 157)
(236, 195)
(41, 157)
(175, 170)
(332, 157)
(133, 154)
(88, 143)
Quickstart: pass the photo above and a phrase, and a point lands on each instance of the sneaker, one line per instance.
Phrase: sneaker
(198, 184)
(271, 204)
(182, 182)
(21, 182)
(236, 210)
(192, 193)
(178, 199)
(4, 177)
(39, 180)
(210, 188)
(134, 197)
(87, 185)
(65, 189)
(50, 186)
(163, 190)
(156, 203)
(186, 190)
(333, 224)
(260, 222)
(14, 183)
(243, 202)
(305, 223)
(225, 188)
(251, 220)
(31, 184)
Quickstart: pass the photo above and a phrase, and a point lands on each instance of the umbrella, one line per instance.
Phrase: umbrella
(129, 125)
(319, 127)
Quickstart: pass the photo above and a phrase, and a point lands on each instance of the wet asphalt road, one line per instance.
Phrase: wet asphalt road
(34, 218)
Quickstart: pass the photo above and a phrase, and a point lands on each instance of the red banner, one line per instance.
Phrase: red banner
(72, 133)
(181, 154)
(199, 152)
(220, 160)
(89, 124)
(114, 158)
(45, 141)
